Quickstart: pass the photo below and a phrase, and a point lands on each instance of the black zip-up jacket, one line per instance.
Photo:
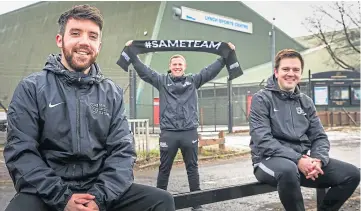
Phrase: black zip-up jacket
(68, 133)
(284, 124)
(178, 95)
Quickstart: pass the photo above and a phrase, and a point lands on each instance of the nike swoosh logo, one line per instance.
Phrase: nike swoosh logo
(53, 105)
(275, 109)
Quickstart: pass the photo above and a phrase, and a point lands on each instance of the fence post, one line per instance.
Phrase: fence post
(230, 106)
(221, 135)
(201, 117)
(199, 140)
(147, 139)
(328, 118)
(331, 119)
(215, 107)
(356, 119)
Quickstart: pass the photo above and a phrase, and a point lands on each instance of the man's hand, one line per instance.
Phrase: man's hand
(129, 43)
(231, 46)
(90, 204)
(317, 164)
(83, 198)
(305, 165)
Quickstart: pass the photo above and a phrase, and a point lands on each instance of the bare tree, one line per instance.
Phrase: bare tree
(338, 27)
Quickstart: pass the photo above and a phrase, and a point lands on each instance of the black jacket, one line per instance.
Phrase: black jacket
(178, 95)
(284, 124)
(68, 133)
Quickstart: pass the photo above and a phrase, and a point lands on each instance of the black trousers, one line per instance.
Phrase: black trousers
(137, 197)
(342, 178)
(169, 143)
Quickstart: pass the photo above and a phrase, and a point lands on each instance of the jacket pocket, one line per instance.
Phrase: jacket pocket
(168, 117)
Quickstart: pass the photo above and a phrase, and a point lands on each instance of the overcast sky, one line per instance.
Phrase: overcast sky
(289, 14)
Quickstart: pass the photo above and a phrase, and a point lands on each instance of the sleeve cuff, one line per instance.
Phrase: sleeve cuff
(323, 160)
(68, 196)
(222, 60)
(98, 200)
(298, 157)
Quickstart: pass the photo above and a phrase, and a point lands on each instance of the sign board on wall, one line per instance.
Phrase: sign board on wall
(198, 16)
(321, 95)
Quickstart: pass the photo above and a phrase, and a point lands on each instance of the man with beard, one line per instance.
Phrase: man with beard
(289, 145)
(68, 145)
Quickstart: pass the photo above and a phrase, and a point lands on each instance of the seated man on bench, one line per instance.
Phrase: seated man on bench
(69, 147)
(284, 128)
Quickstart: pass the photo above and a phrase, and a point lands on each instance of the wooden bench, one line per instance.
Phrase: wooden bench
(208, 196)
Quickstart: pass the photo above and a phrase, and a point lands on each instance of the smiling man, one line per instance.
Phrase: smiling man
(289, 145)
(69, 147)
(178, 113)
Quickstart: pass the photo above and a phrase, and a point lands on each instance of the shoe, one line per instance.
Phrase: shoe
(197, 208)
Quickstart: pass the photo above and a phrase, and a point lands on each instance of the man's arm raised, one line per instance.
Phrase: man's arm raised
(210, 72)
(146, 73)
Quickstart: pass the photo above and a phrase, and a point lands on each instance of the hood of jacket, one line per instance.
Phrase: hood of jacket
(53, 64)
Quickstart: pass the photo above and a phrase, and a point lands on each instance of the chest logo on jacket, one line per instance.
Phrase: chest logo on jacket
(300, 111)
(187, 83)
(53, 105)
(97, 108)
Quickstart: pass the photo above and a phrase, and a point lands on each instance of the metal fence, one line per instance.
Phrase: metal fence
(140, 130)
(214, 105)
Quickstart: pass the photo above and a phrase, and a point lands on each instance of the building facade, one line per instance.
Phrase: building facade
(27, 37)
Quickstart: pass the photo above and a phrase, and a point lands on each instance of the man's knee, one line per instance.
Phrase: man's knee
(192, 167)
(354, 174)
(23, 201)
(165, 197)
(165, 168)
(288, 173)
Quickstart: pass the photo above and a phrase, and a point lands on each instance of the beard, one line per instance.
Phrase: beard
(77, 63)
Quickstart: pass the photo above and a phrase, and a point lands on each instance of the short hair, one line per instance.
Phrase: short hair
(80, 12)
(287, 53)
(176, 56)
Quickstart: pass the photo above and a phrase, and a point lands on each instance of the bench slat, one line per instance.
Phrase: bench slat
(207, 196)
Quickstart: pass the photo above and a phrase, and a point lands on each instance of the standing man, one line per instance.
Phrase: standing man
(289, 145)
(69, 147)
(178, 113)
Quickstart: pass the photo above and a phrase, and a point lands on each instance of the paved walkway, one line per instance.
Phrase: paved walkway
(342, 147)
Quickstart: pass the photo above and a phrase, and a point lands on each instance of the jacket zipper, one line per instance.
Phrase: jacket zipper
(293, 125)
(78, 118)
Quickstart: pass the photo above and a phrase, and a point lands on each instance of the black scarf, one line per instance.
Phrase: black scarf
(146, 46)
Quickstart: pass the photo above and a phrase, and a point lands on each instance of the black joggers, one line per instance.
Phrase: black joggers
(342, 178)
(137, 197)
(169, 143)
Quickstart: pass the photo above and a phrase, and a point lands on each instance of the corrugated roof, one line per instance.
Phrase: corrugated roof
(316, 59)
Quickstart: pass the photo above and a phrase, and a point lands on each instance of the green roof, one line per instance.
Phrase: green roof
(317, 59)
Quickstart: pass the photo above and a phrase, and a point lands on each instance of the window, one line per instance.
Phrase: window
(339, 93)
(207, 93)
(221, 92)
(355, 95)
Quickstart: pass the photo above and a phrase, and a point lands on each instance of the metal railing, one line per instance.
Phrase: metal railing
(140, 130)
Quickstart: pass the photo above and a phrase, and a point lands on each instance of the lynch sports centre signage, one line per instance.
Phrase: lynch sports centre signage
(198, 16)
